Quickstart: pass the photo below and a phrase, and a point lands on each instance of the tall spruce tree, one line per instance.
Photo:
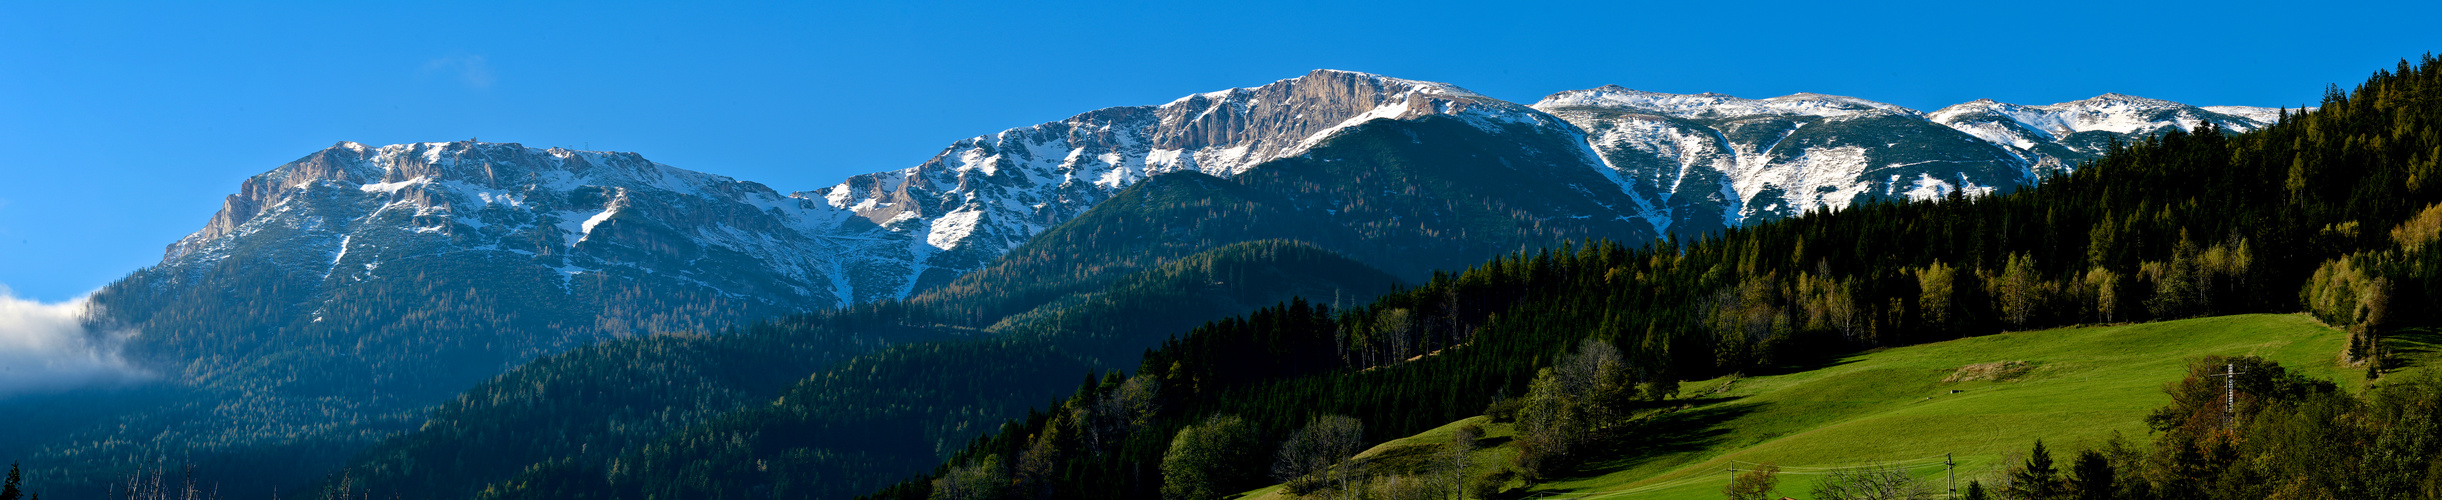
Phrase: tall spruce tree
(9, 490)
(2036, 478)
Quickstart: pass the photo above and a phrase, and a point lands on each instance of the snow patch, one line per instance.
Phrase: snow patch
(953, 228)
(1711, 105)
(390, 187)
(341, 254)
(587, 229)
(1834, 168)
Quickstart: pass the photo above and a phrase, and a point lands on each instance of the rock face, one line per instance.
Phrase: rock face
(576, 212)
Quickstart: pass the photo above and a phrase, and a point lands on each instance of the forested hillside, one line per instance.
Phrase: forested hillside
(2333, 212)
(337, 295)
(283, 393)
(585, 409)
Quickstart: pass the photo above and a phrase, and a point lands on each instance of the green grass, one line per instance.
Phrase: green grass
(2086, 385)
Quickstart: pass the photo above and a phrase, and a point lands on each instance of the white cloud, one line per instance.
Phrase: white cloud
(470, 70)
(46, 348)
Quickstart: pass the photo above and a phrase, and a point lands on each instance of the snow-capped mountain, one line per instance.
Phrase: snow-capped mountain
(556, 248)
(342, 211)
(1709, 161)
(983, 196)
(1677, 164)
(2057, 136)
(873, 236)
(353, 285)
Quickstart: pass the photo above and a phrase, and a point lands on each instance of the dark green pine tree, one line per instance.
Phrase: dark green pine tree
(1975, 491)
(2038, 478)
(9, 491)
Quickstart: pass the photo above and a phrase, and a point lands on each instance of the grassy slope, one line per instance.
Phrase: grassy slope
(1892, 406)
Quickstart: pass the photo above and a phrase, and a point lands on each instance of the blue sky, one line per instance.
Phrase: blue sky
(123, 125)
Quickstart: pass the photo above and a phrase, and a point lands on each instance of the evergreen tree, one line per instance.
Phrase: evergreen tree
(2036, 478)
(9, 491)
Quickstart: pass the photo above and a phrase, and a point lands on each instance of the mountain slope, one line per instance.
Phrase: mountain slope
(891, 412)
(990, 194)
(336, 295)
(583, 239)
(1406, 196)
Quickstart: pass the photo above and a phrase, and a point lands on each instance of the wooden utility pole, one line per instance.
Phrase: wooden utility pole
(2229, 395)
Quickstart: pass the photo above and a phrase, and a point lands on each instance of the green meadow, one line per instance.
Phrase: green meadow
(1981, 402)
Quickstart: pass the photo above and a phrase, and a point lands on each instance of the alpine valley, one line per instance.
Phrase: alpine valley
(468, 319)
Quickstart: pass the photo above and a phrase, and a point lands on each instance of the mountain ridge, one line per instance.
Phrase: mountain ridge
(982, 196)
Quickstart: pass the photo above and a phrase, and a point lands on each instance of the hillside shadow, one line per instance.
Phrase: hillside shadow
(1661, 436)
(1803, 365)
(1809, 355)
(2413, 348)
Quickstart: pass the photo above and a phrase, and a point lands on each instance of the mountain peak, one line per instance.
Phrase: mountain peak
(1330, 74)
(1234, 129)
(1712, 104)
(1830, 105)
(415, 174)
(1341, 73)
(2025, 127)
(2119, 98)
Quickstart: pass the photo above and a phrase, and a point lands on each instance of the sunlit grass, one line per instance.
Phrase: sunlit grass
(2086, 385)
